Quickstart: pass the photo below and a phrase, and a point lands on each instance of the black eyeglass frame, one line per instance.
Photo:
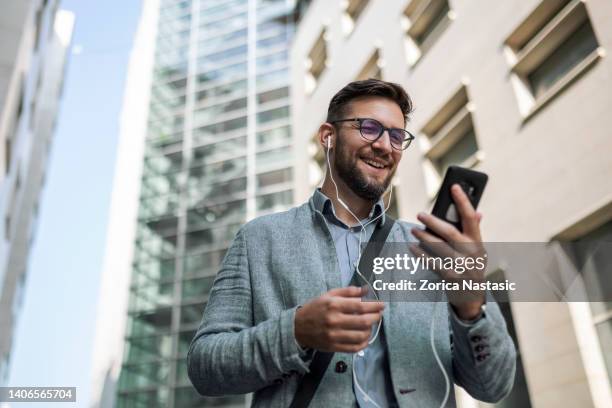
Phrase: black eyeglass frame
(408, 138)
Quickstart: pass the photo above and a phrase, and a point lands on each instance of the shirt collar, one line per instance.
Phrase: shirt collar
(324, 204)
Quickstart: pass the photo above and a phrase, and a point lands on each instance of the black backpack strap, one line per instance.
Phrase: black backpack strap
(309, 383)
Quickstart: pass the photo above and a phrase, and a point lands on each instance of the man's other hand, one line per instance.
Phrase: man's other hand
(337, 321)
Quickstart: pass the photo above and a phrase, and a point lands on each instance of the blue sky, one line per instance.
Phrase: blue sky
(54, 336)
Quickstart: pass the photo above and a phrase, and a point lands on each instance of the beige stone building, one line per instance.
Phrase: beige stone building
(521, 90)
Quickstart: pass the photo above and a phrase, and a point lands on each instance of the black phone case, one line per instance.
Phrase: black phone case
(471, 181)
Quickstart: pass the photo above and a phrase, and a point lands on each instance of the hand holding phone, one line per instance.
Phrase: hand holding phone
(446, 241)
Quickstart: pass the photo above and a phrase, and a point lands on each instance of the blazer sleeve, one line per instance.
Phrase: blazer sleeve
(484, 356)
(231, 355)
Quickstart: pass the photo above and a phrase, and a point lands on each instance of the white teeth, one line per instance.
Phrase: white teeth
(375, 164)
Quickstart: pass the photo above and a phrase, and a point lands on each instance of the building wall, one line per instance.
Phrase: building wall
(549, 171)
(32, 66)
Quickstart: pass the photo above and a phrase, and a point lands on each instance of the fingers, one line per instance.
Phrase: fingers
(348, 300)
(354, 322)
(354, 306)
(349, 337)
(432, 244)
(442, 228)
(349, 292)
(469, 217)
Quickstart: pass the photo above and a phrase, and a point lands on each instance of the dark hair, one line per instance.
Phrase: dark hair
(368, 87)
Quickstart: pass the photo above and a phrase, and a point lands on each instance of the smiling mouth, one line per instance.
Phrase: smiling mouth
(375, 164)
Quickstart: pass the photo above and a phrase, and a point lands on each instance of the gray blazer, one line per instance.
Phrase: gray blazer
(246, 341)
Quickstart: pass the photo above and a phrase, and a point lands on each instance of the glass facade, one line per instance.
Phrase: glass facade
(218, 153)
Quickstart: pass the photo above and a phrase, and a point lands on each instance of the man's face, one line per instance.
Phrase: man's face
(368, 167)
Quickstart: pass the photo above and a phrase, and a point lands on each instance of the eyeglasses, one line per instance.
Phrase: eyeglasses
(372, 130)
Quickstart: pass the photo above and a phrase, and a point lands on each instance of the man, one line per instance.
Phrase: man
(281, 294)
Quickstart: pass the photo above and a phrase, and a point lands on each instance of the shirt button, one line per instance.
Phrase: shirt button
(341, 367)
(475, 339)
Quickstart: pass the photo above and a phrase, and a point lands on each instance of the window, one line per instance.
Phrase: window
(272, 41)
(230, 88)
(593, 258)
(272, 61)
(275, 201)
(12, 203)
(352, 11)
(234, 211)
(197, 289)
(12, 135)
(273, 114)
(134, 375)
(424, 22)
(519, 396)
(7, 227)
(372, 68)
(213, 131)
(225, 73)
(278, 77)
(148, 348)
(450, 138)
(32, 113)
(184, 340)
(151, 297)
(547, 51)
(153, 271)
(227, 148)
(211, 113)
(273, 177)
(189, 397)
(316, 62)
(152, 396)
(277, 25)
(7, 154)
(38, 23)
(280, 93)
(274, 157)
(4, 368)
(273, 137)
(192, 314)
(150, 323)
(196, 241)
(206, 262)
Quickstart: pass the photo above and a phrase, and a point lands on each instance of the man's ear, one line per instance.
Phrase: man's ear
(326, 136)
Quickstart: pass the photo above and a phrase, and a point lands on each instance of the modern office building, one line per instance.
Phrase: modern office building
(519, 89)
(34, 46)
(204, 147)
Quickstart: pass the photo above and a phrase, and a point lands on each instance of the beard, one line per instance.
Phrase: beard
(346, 166)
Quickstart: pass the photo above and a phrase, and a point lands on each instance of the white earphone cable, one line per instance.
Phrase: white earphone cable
(437, 357)
(367, 398)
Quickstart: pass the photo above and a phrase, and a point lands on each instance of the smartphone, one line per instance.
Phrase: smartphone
(472, 182)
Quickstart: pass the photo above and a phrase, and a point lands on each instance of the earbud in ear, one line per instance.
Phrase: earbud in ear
(328, 142)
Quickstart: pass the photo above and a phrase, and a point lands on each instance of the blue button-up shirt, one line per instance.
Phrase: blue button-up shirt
(371, 366)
